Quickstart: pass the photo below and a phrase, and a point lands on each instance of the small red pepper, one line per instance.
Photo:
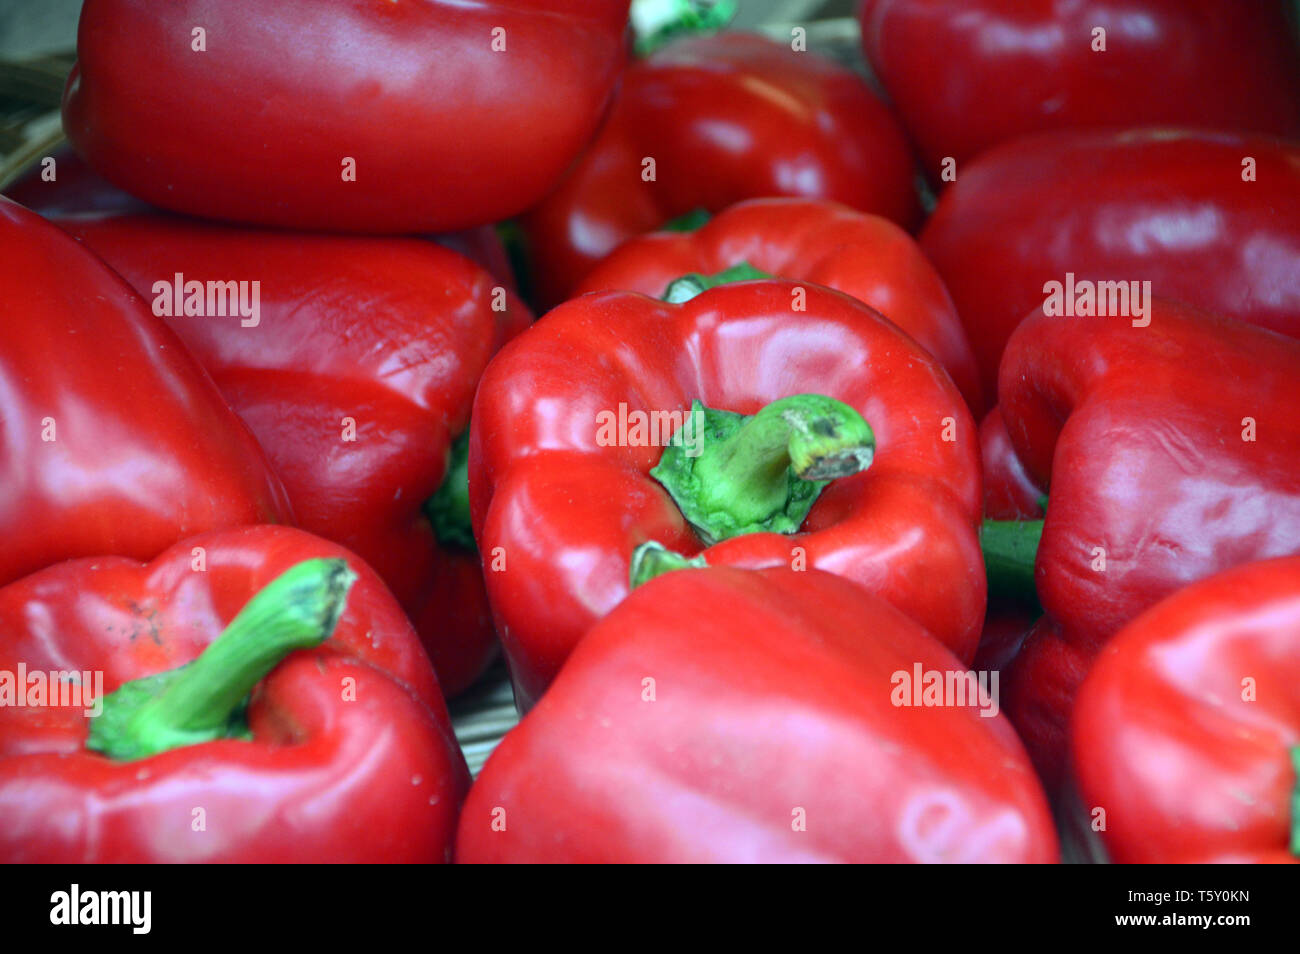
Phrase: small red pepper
(813, 240)
(343, 751)
(1172, 451)
(1212, 219)
(114, 440)
(331, 115)
(357, 377)
(1186, 735)
(711, 427)
(706, 122)
(721, 715)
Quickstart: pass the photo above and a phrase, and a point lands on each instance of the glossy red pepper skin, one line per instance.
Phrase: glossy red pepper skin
(389, 333)
(562, 513)
(415, 93)
(1155, 205)
(1142, 432)
(378, 778)
(115, 441)
(813, 240)
(726, 117)
(780, 703)
(1165, 738)
(966, 75)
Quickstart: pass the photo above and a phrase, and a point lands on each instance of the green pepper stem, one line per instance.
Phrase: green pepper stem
(763, 473)
(205, 699)
(695, 219)
(448, 508)
(1010, 550)
(653, 559)
(688, 286)
(658, 22)
(1295, 802)
(819, 437)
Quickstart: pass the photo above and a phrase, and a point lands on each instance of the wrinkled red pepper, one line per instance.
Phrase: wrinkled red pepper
(1186, 734)
(1172, 453)
(812, 240)
(333, 114)
(725, 117)
(357, 378)
(562, 492)
(721, 715)
(343, 751)
(1154, 205)
(115, 441)
(966, 75)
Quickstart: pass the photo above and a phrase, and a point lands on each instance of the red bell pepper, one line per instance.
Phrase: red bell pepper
(725, 117)
(813, 240)
(571, 417)
(783, 728)
(1187, 732)
(1172, 452)
(966, 75)
(115, 441)
(332, 114)
(357, 378)
(1167, 207)
(342, 752)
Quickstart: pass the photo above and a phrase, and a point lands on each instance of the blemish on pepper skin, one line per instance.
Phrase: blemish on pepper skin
(148, 618)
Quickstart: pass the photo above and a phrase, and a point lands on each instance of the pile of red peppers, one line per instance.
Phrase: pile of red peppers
(902, 469)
